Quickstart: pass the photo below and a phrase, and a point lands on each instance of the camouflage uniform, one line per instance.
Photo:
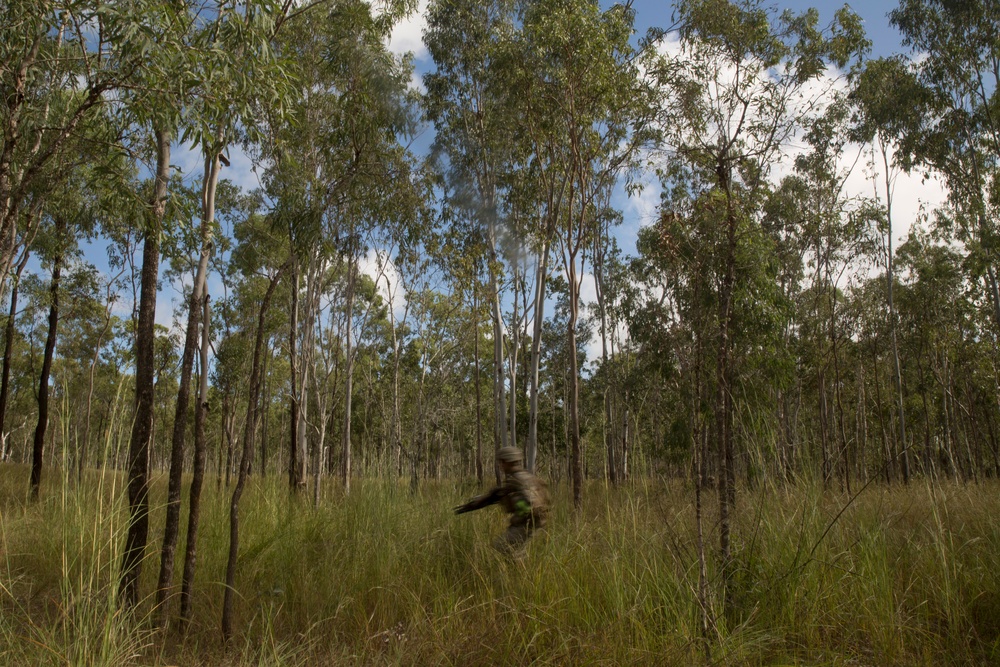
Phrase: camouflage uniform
(522, 495)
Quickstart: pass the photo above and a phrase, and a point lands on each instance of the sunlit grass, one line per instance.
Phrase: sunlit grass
(904, 576)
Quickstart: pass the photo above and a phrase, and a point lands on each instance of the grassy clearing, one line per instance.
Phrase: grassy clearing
(381, 577)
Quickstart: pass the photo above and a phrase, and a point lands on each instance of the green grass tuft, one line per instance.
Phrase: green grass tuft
(382, 577)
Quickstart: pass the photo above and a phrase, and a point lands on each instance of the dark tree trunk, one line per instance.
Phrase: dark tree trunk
(248, 433)
(198, 476)
(9, 346)
(723, 402)
(479, 389)
(43, 382)
(296, 471)
(172, 524)
(145, 369)
(264, 408)
(574, 387)
(349, 356)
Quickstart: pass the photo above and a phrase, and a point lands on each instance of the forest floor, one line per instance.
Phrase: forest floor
(892, 576)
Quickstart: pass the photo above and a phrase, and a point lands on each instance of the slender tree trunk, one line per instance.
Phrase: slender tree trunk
(993, 285)
(479, 388)
(860, 454)
(318, 450)
(296, 467)
(609, 437)
(198, 476)
(230, 427)
(313, 271)
(265, 406)
(9, 346)
(556, 468)
(824, 427)
(348, 376)
(145, 369)
(626, 435)
(703, 601)
(574, 383)
(886, 454)
(173, 508)
(904, 459)
(248, 436)
(85, 445)
(43, 382)
(171, 528)
(515, 348)
(723, 416)
(499, 389)
(541, 278)
(841, 431)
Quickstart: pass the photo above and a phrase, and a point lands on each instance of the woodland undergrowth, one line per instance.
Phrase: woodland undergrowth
(902, 576)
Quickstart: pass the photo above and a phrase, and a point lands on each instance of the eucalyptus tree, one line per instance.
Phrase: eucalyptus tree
(156, 105)
(882, 117)
(340, 173)
(62, 62)
(467, 100)
(68, 211)
(236, 67)
(610, 278)
(439, 321)
(262, 258)
(557, 377)
(57, 258)
(588, 109)
(945, 120)
(733, 98)
(938, 110)
(398, 283)
(938, 323)
(819, 229)
(379, 195)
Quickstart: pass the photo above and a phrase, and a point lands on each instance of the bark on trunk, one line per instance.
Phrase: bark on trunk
(248, 434)
(531, 453)
(145, 369)
(348, 377)
(43, 382)
(479, 389)
(904, 461)
(296, 466)
(609, 438)
(723, 415)
(574, 385)
(198, 475)
(9, 346)
(171, 528)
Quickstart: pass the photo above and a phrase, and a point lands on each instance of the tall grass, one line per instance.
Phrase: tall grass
(382, 577)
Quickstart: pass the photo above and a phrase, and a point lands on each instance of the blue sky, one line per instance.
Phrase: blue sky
(885, 39)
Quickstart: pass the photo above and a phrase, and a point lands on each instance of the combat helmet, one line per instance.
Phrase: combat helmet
(510, 455)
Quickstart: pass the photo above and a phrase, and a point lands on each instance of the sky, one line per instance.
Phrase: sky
(911, 192)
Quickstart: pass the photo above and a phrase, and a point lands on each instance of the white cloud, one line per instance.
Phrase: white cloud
(380, 267)
(408, 35)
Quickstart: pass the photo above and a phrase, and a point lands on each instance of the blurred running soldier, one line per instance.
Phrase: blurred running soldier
(523, 496)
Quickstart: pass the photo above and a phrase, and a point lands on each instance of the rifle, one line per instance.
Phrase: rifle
(479, 502)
